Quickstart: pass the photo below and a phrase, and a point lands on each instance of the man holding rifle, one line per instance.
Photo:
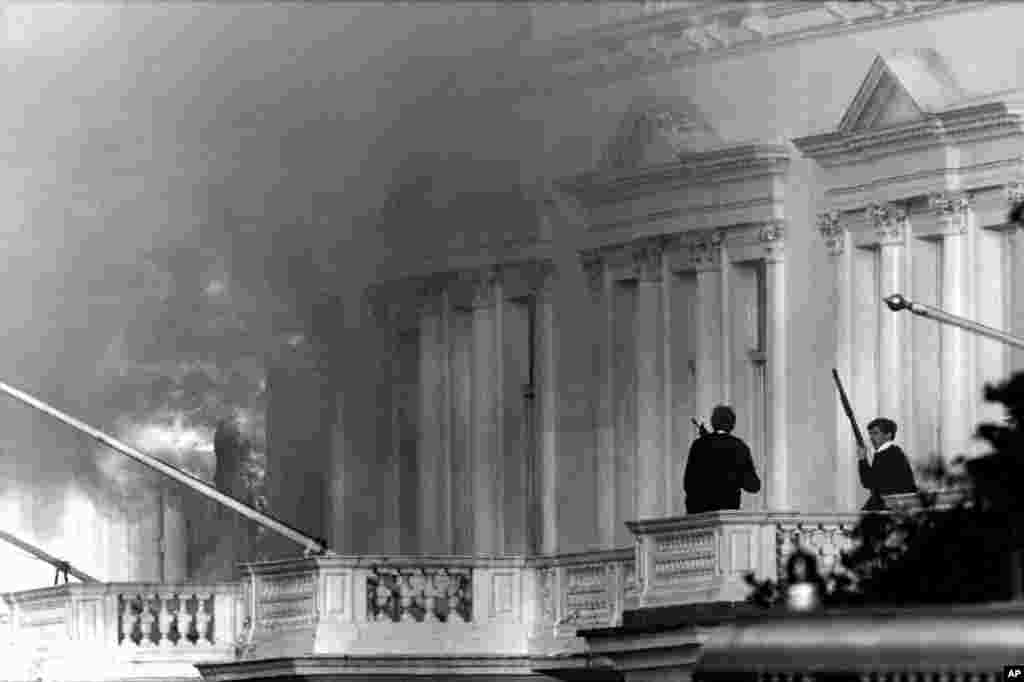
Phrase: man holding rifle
(718, 467)
(889, 472)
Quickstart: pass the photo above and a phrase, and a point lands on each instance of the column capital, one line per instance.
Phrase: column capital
(951, 208)
(891, 223)
(831, 228)
(1014, 192)
(647, 258)
(484, 284)
(430, 296)
(703, 250)
(539, 275)
(772, 237)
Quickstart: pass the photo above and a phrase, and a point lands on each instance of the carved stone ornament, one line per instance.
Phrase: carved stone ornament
(891, 223)
(952, 210)
(831, 228)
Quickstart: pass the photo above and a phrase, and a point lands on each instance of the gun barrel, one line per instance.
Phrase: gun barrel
(897, 302)
(312, 545)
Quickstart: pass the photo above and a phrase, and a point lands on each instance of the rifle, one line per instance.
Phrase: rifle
(701, 429)
(849, 410)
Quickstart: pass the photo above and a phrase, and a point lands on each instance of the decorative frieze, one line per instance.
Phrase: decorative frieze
(891, 223)
(831, 228)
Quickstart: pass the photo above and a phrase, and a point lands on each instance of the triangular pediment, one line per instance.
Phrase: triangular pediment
(902, 87)
(656, 131)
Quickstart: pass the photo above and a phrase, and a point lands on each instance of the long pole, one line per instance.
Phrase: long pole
(61, 566)
(311, 544)
(897, 302)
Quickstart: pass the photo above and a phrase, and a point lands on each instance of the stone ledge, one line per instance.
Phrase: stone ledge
(665, 618)
(382, 668)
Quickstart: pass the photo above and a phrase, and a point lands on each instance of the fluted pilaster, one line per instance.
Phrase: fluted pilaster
(957, 392)
(777, 462)
(651, 492)
(891, 225)
(836, 235)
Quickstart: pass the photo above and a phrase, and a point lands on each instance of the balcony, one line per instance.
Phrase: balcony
(568, 616)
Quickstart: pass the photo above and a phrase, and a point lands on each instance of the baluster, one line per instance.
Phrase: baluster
(406, 596)
(203, 618)
(166, 619)
(430, 601)
(418, 585)
(147, 620)
(189, 618)
(128, 620)
(383, 597)
(442, 590)
(455, 596)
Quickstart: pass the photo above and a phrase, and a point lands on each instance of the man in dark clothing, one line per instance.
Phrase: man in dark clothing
(889, 473)
(718, 467)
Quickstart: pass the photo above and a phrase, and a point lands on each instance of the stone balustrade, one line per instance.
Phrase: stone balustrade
(580, 591)
(703, 558)
(416, 605)
(96, 631)
(411, 605)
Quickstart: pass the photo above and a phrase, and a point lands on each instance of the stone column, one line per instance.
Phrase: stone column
(777, 461)
(651, 500)
(487, 404)
(710, 376)
(836, 241)
(892, 228)
(600, 285)
(435, 527)
(547, 402)
(957, 390)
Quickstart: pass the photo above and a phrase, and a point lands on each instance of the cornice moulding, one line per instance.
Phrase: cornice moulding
(962, 124)
(681, 37)
(695, 170)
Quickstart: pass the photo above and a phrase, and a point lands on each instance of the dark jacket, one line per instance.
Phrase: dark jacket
(718, 467)
(888, 474)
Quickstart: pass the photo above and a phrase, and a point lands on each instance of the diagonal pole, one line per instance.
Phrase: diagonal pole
(312, 545)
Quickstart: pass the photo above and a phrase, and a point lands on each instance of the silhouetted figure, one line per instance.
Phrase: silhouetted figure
(719, 466)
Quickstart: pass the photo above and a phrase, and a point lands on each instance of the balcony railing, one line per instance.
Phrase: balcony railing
(370, 606)
(704, 557)
(107, 631)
